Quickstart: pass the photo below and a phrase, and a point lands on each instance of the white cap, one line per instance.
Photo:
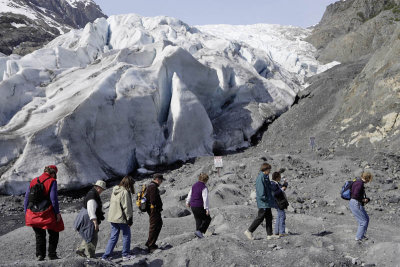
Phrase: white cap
(101, 184)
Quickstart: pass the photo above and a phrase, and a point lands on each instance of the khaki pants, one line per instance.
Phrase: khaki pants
(89, 248)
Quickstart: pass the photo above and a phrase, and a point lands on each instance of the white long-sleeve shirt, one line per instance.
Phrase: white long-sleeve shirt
(91, 208)
(204, 194)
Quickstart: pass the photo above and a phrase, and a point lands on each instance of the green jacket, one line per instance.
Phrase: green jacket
(120, 206)
(263, 192)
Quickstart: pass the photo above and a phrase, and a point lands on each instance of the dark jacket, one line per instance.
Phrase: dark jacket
(153, 197)
(358, 190)
(92, 194)
(279, 196)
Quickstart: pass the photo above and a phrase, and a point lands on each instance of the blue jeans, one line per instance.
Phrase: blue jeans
(126, 239)
(280, 222)
(362, 217)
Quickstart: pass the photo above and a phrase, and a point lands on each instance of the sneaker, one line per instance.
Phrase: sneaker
(39, 258)
(284, 234)
(107, 259)
(364, 238)
(128, 257)
(249, 235)
(80, 253)
(269, 237)
(198, 234)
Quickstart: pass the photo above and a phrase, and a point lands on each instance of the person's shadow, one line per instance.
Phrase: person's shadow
(144, 263)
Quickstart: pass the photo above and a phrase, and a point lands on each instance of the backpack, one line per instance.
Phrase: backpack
(36, 195)
(345, 192)
(141, 199)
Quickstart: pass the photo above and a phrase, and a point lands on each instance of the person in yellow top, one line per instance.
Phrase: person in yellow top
(120, 215)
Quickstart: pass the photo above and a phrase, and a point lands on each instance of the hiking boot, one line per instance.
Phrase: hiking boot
(249, 235)
(198, 234)
(39, 258)
(53, 257)
(80, 253)
(128, 257)
(269, 237)
(152, 248)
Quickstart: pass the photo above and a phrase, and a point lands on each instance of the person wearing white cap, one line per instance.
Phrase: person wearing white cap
(88, 220)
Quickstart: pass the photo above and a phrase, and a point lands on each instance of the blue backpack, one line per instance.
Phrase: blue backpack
(345, 192)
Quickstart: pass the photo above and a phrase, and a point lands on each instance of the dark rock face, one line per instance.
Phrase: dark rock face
(53, 16)
(61, 11)
(354, 28)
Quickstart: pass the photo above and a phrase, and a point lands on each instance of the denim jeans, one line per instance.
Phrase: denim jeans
(126, 239)
(362, 217)
(280, 222)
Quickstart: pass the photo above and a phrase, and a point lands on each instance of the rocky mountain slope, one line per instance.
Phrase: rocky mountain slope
(363, 114)
(354, 28)
(25, 25)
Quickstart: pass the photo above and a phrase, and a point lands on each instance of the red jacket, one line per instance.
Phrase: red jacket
(44, 219)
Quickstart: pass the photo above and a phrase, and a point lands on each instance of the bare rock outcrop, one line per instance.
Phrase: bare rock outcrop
(354, 28)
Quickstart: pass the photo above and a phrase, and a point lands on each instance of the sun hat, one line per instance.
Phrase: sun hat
(101, 184)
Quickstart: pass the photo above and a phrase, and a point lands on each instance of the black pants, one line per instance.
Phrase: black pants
(262, 214)
(156, 224)
(202, 219)
(40, 235)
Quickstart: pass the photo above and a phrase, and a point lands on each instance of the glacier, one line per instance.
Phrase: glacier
(129, 92)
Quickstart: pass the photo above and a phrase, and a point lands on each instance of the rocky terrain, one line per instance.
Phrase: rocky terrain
(352, 110)
(354, 28)
(26, 25)
(320, 224)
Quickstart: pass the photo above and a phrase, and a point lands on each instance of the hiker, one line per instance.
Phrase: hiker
(357, 202)
(197, 200)
(42, 212)
(120, 215)
(281, 203)
(264, 203)
(154, 208)
(88, 220)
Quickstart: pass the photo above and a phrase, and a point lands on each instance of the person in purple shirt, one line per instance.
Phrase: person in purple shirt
(357, 202)
(197, 200)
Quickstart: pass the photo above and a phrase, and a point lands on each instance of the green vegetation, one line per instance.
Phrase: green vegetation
(396, 10)
(361, 15)
(389, 5)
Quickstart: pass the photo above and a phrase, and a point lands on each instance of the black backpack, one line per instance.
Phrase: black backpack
(36, 199)
(281, 200)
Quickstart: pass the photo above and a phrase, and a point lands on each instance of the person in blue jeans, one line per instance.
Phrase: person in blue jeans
(357, 202)
(120, 215)
(277, 191)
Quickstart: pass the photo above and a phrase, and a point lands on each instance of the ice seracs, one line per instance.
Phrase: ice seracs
(129, 92)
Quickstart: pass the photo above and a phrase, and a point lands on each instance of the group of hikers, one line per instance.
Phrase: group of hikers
(42, 211)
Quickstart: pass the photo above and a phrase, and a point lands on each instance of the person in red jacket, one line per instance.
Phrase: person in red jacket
(45, 214)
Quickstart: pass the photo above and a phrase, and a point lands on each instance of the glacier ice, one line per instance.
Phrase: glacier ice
(129, 92)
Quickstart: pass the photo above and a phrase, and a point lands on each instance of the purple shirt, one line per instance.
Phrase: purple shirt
(196, 199)
(53, 197)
